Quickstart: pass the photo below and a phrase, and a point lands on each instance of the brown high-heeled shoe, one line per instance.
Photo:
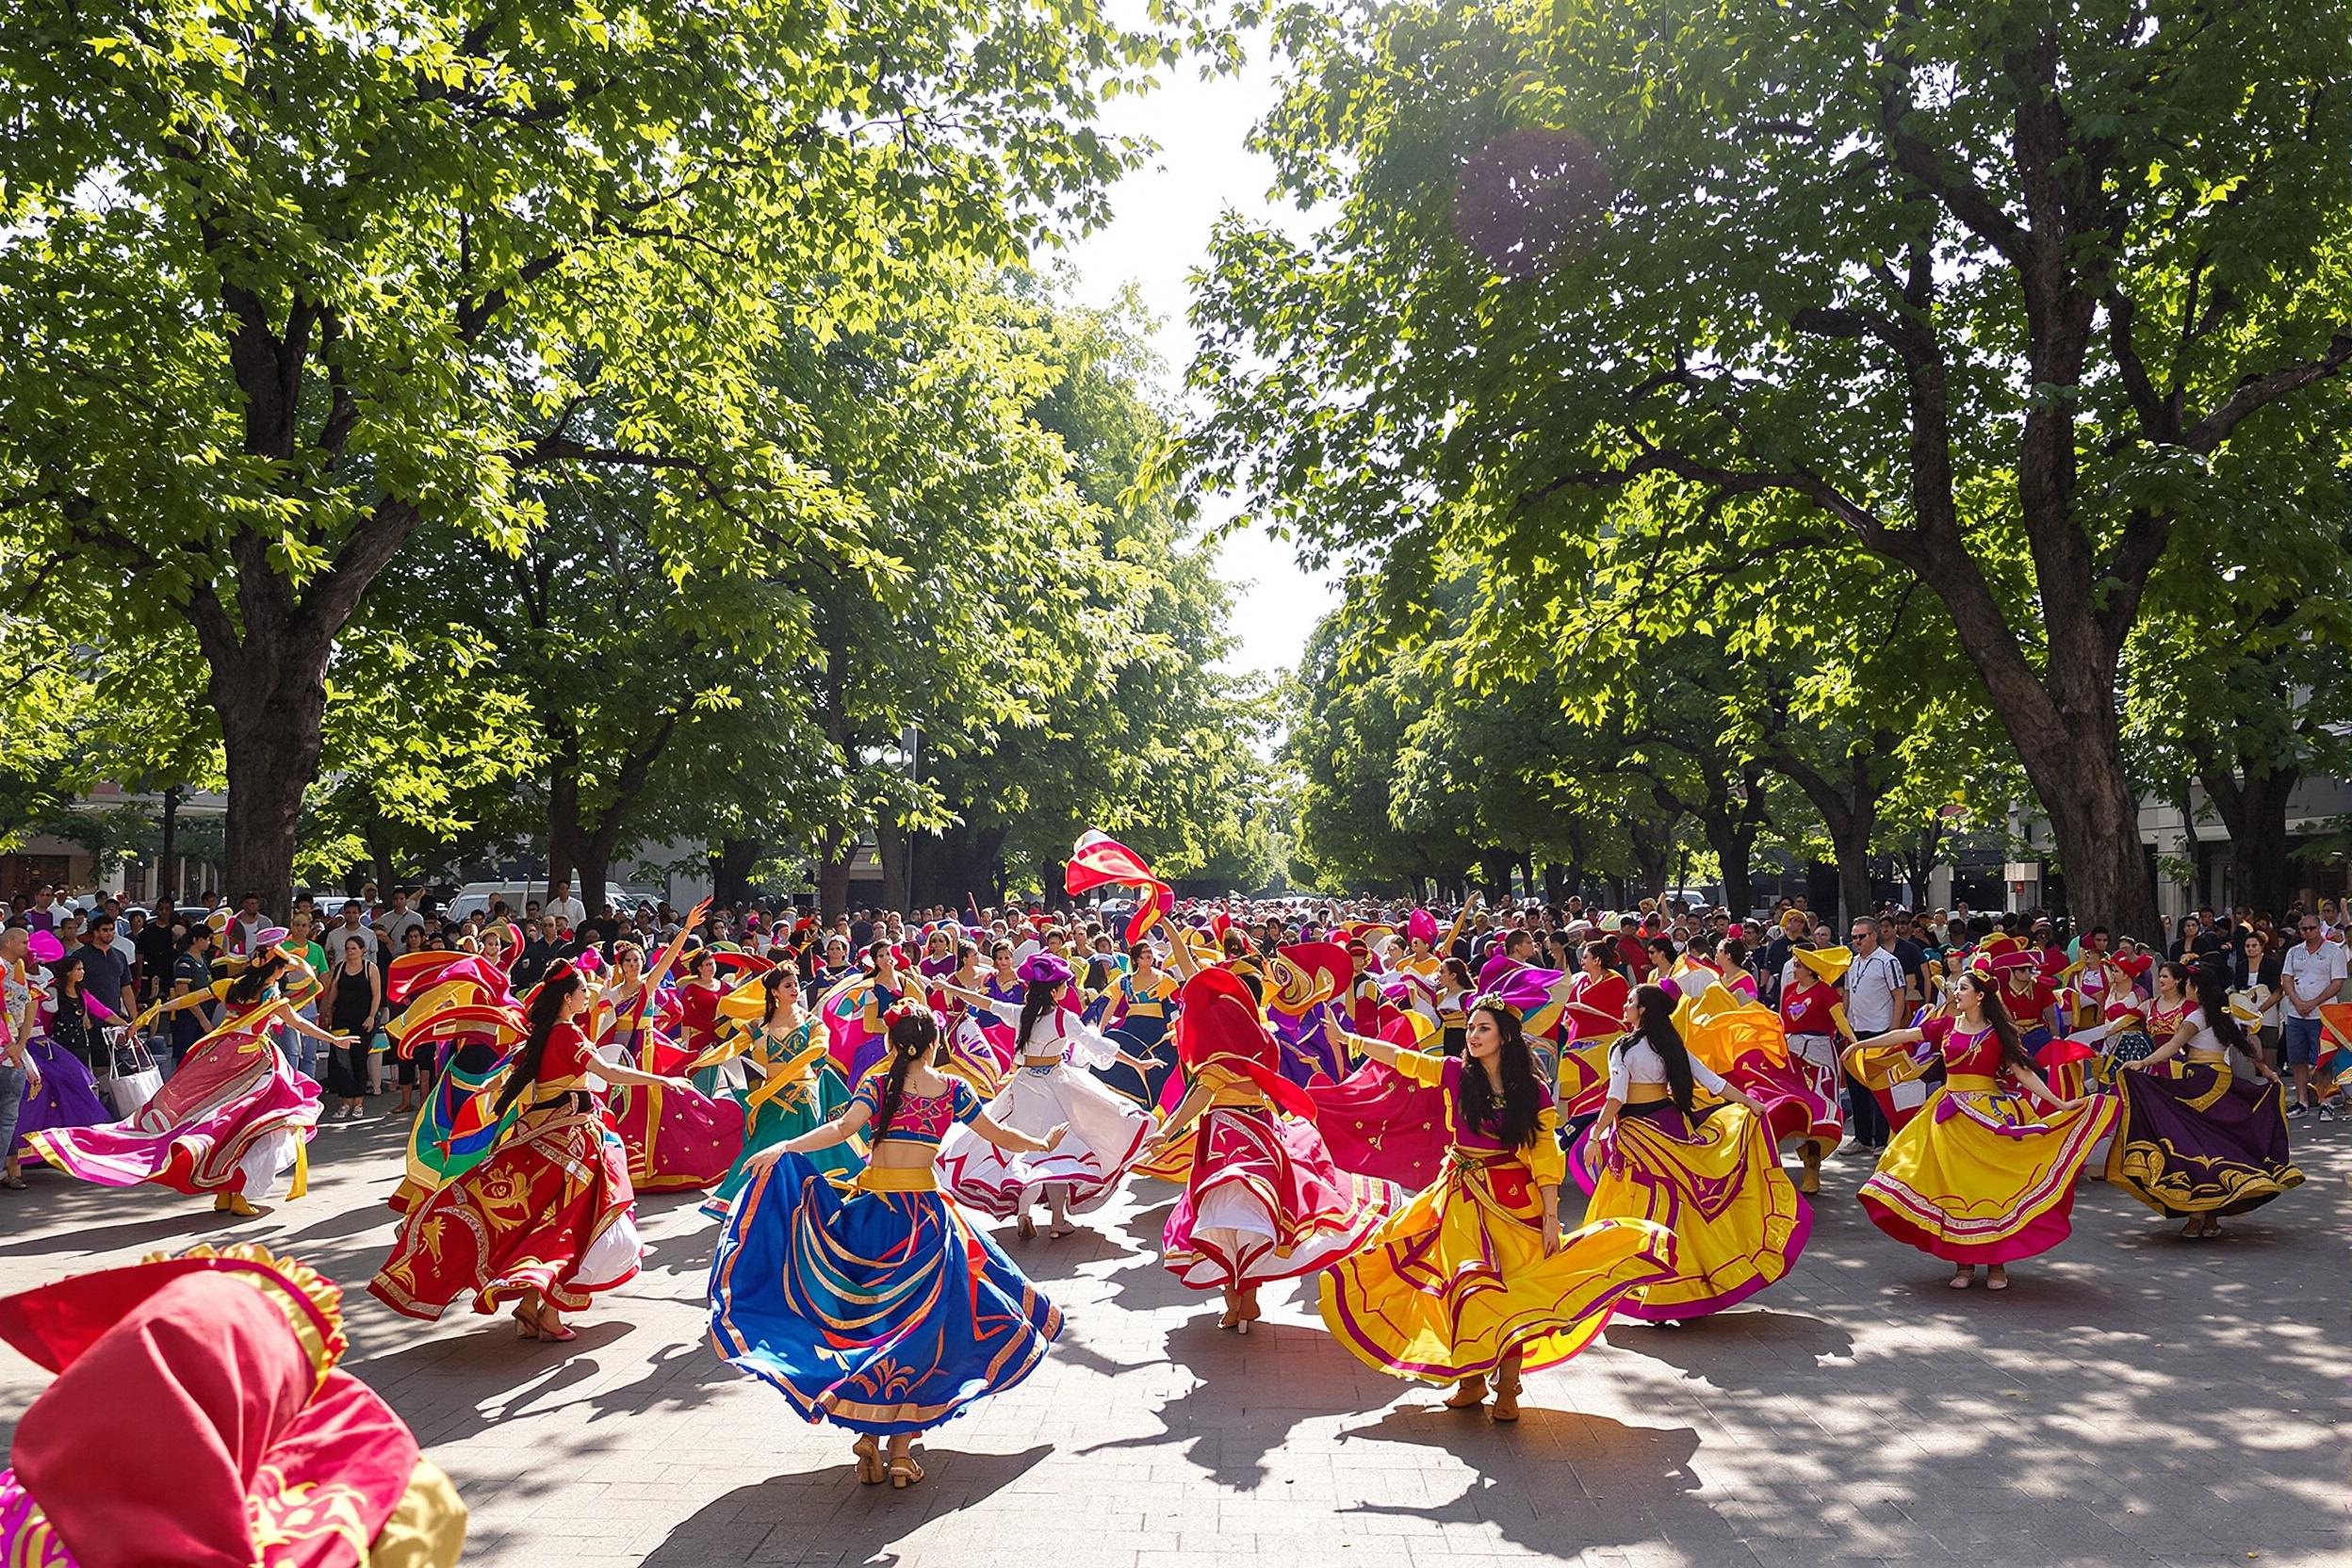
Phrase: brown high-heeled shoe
(1469, 1394)
(1506, 1405)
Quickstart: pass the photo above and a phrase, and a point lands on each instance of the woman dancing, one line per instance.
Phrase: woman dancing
(1712, 1178)
(1472, 1281)
(1048, 1090)
(797, 1090)
(1263, 1200)
(233, 1120)
(2192, 1142)
(1981, 1174)
(886, 1311)
(547, 1220)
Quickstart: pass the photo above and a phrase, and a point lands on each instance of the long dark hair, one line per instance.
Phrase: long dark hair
(1656, 1008)
(912, 1033)
(247, 988)
(1514, 1124)
(63, 967)
(547, 1011)
(772, 994)
(1035, 1002)
(2213, 999)
(2013, 1052)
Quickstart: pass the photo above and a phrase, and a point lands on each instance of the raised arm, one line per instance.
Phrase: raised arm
(660, 969)
(839, 1130)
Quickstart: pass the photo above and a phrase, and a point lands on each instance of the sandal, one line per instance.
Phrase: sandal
(562, 1333)
(1964, 1278)
(525, 1321)
(904, 1472)
(1506, 1405)
(871, 1470)
(13, 1183)
(1469, 1394)
(1028, 1227)
(1996, 1277)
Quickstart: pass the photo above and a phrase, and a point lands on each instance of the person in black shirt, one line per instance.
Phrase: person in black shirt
(157, 945)
(103, 973)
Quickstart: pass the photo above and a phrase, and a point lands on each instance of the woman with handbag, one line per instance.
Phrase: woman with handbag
(70, 1053)
(353, 1000)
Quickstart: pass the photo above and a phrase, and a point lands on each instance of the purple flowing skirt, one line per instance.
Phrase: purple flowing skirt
(68, 1096)
(2196, 1141)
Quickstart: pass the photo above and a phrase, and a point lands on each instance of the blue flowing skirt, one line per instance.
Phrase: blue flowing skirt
(882, 1311)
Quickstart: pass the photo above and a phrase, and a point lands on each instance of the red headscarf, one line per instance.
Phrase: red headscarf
(1218, 1024)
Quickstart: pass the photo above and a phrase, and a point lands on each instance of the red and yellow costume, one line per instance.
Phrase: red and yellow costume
(199, 1419)
(551, 1210)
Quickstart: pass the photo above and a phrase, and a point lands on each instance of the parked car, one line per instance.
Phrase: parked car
(475, 898)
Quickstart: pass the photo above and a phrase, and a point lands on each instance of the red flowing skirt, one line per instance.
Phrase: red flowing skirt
(551, 1211)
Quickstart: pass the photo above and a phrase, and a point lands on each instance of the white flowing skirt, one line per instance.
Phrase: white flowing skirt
(1107, 1132)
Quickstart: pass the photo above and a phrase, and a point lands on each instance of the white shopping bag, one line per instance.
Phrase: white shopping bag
(134, 1079)
(1907, 1094)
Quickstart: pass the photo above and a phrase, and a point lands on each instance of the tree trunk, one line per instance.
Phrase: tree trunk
(1848, 803)
(1733, 840)
(890, 845)
(1494, 875)
(730, 871)
(1554, 883)
(1922, 858)
(835, 851)
(168, 870)
(380, 857)
(564, 837)
(271, 727)
(2255, 812)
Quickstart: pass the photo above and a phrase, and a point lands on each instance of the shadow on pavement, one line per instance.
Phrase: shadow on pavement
(824, 1516)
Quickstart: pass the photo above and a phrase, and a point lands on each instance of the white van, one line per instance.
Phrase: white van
(475, 898)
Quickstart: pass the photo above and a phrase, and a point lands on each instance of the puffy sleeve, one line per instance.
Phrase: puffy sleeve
(1007, 1012)
(1425, 1068)
(1087, 1046)
(1706, 1077)
(1618, 1077)
(870, 1095)
(967, 1103)
(1547, 1162)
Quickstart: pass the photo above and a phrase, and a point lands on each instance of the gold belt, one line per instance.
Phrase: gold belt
(893, 1178)
(1647, 1094)
(1974, 1083)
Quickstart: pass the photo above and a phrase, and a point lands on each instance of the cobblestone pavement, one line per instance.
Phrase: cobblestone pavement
(2134, 1399)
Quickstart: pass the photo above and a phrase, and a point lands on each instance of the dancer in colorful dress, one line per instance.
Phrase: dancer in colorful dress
(1472, 1281)
(1048, 1089)
(886, 1310)
(1812, 1017)
(547, 1222)
(2192, 1142)
(795, 1088)
(1982, 1174)
(199, 1416)
(458, 1010)
(234, 1120)
(679, 1138)
(1141, 1001)
(1263, 1200)
(1712, 1179)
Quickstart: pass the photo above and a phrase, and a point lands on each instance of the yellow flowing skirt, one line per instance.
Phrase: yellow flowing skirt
(1984, 1175)
(1736, 1219)
(1457, 1279)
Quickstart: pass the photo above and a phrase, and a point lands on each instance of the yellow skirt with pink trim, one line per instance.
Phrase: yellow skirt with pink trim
(1457, 1277)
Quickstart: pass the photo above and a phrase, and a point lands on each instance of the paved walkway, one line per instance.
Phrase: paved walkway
(2133, 1400)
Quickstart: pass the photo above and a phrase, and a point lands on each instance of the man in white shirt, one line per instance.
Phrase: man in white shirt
(397, 920)
(564, 906)
(2313, 972)
(1875, 993)
(349, 926)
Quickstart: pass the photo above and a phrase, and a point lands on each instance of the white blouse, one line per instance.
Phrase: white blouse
(1640, 1063)
(1061, 1032)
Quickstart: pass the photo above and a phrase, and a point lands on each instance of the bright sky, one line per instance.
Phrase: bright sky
(1158, 235)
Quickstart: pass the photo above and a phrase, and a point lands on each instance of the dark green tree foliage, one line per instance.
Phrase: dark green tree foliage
(285, 285)
(2022, 305)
